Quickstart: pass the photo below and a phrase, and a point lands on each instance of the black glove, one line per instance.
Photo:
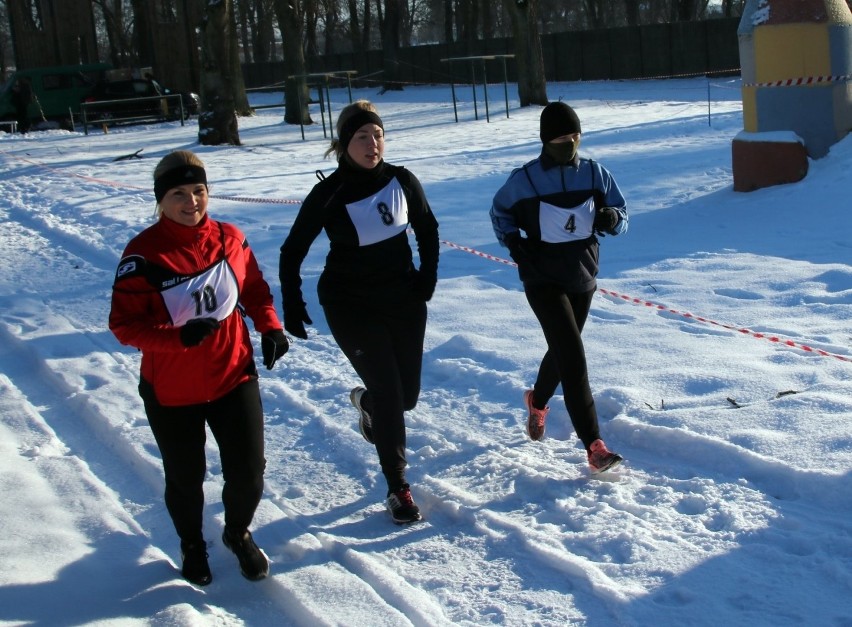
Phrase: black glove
(273, 345)
(605, 220)
(295, 317)
(194, 331)
(424, 284)
(517, 248)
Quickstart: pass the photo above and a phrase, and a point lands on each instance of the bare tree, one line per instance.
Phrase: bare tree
(631, 8)
(735, 7)
(238, 86)
(264, 31)
(390, 45)
(488, 20)
(532, 84)
(467, 15)
(141, 36)
(367, 31)
(331, 25)
(245, 18)
(118, 47)
(355, 36)
(448, 21)
(309, 23)
(295, 89)
(368, 22)
(217, 123)
(256, 28)
(688, 10)
(406, 23)
(5, 39)
(594, 13)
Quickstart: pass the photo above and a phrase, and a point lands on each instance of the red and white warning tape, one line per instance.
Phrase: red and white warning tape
(478, 253)
(744, 331)
(808, 80)
(684, 314)
(265, 201)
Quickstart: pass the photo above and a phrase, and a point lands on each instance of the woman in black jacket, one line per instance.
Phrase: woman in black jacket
(373, 297)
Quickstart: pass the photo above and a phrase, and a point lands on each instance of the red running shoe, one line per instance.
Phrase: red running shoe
(601, 458)
(536, 418)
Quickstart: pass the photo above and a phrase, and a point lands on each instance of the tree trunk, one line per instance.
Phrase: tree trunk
(112, 27)
(238, 86)
(532, 84)
(448, 21)
(488, 25)
(365, 32)
(264, 46)
(217, 123)
(295, 90)
(355, 28)
(142, 29)
(631, 8)
(308, 24)
(594, 14)
(406, 25)
(390, 46)
(243, 22)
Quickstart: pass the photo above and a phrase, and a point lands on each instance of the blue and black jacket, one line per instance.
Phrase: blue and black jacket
(554, 206)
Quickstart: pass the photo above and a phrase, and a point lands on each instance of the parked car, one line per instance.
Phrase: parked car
(135, 99)
(57, 90)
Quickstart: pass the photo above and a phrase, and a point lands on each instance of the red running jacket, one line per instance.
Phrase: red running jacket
(171, 273)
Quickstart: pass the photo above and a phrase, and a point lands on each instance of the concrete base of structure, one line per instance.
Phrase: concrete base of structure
(766, 159)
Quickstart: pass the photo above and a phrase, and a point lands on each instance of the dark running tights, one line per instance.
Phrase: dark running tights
(562, 316)
(384, 344)
(236, 421)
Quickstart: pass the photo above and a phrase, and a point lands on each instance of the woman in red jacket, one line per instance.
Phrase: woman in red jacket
(182, 290)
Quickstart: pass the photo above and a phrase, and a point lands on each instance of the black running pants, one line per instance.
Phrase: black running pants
(384, 344)
(236, 422)
(562, 316)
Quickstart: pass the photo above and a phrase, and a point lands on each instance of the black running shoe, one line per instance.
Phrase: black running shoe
(401, 506)
(195, 568)
(365, 421)
(253, 563)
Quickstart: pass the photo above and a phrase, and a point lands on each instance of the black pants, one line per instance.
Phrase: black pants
(384, 344)
(562, 316)
(236, 421)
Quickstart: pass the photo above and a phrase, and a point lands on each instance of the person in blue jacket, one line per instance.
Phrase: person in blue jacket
(549, 214)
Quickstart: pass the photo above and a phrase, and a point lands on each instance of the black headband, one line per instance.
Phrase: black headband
(181, 175)
(355, 122)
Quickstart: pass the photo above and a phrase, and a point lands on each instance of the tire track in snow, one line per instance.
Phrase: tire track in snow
(120, 461)
(142, 455)
(55, 352)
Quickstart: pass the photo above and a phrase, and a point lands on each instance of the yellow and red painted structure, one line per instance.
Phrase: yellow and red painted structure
(796, 63)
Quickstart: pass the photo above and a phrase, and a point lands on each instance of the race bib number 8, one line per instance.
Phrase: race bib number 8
(380, 216)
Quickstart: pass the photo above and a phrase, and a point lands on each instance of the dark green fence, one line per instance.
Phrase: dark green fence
(655, 50)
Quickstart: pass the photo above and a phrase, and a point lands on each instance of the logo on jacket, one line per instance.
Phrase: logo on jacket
(130, 266)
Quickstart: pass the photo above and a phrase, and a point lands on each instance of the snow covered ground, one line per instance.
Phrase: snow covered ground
(719, 350)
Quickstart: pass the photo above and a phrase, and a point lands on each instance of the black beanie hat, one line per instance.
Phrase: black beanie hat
(558, 119)
(347, 132)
